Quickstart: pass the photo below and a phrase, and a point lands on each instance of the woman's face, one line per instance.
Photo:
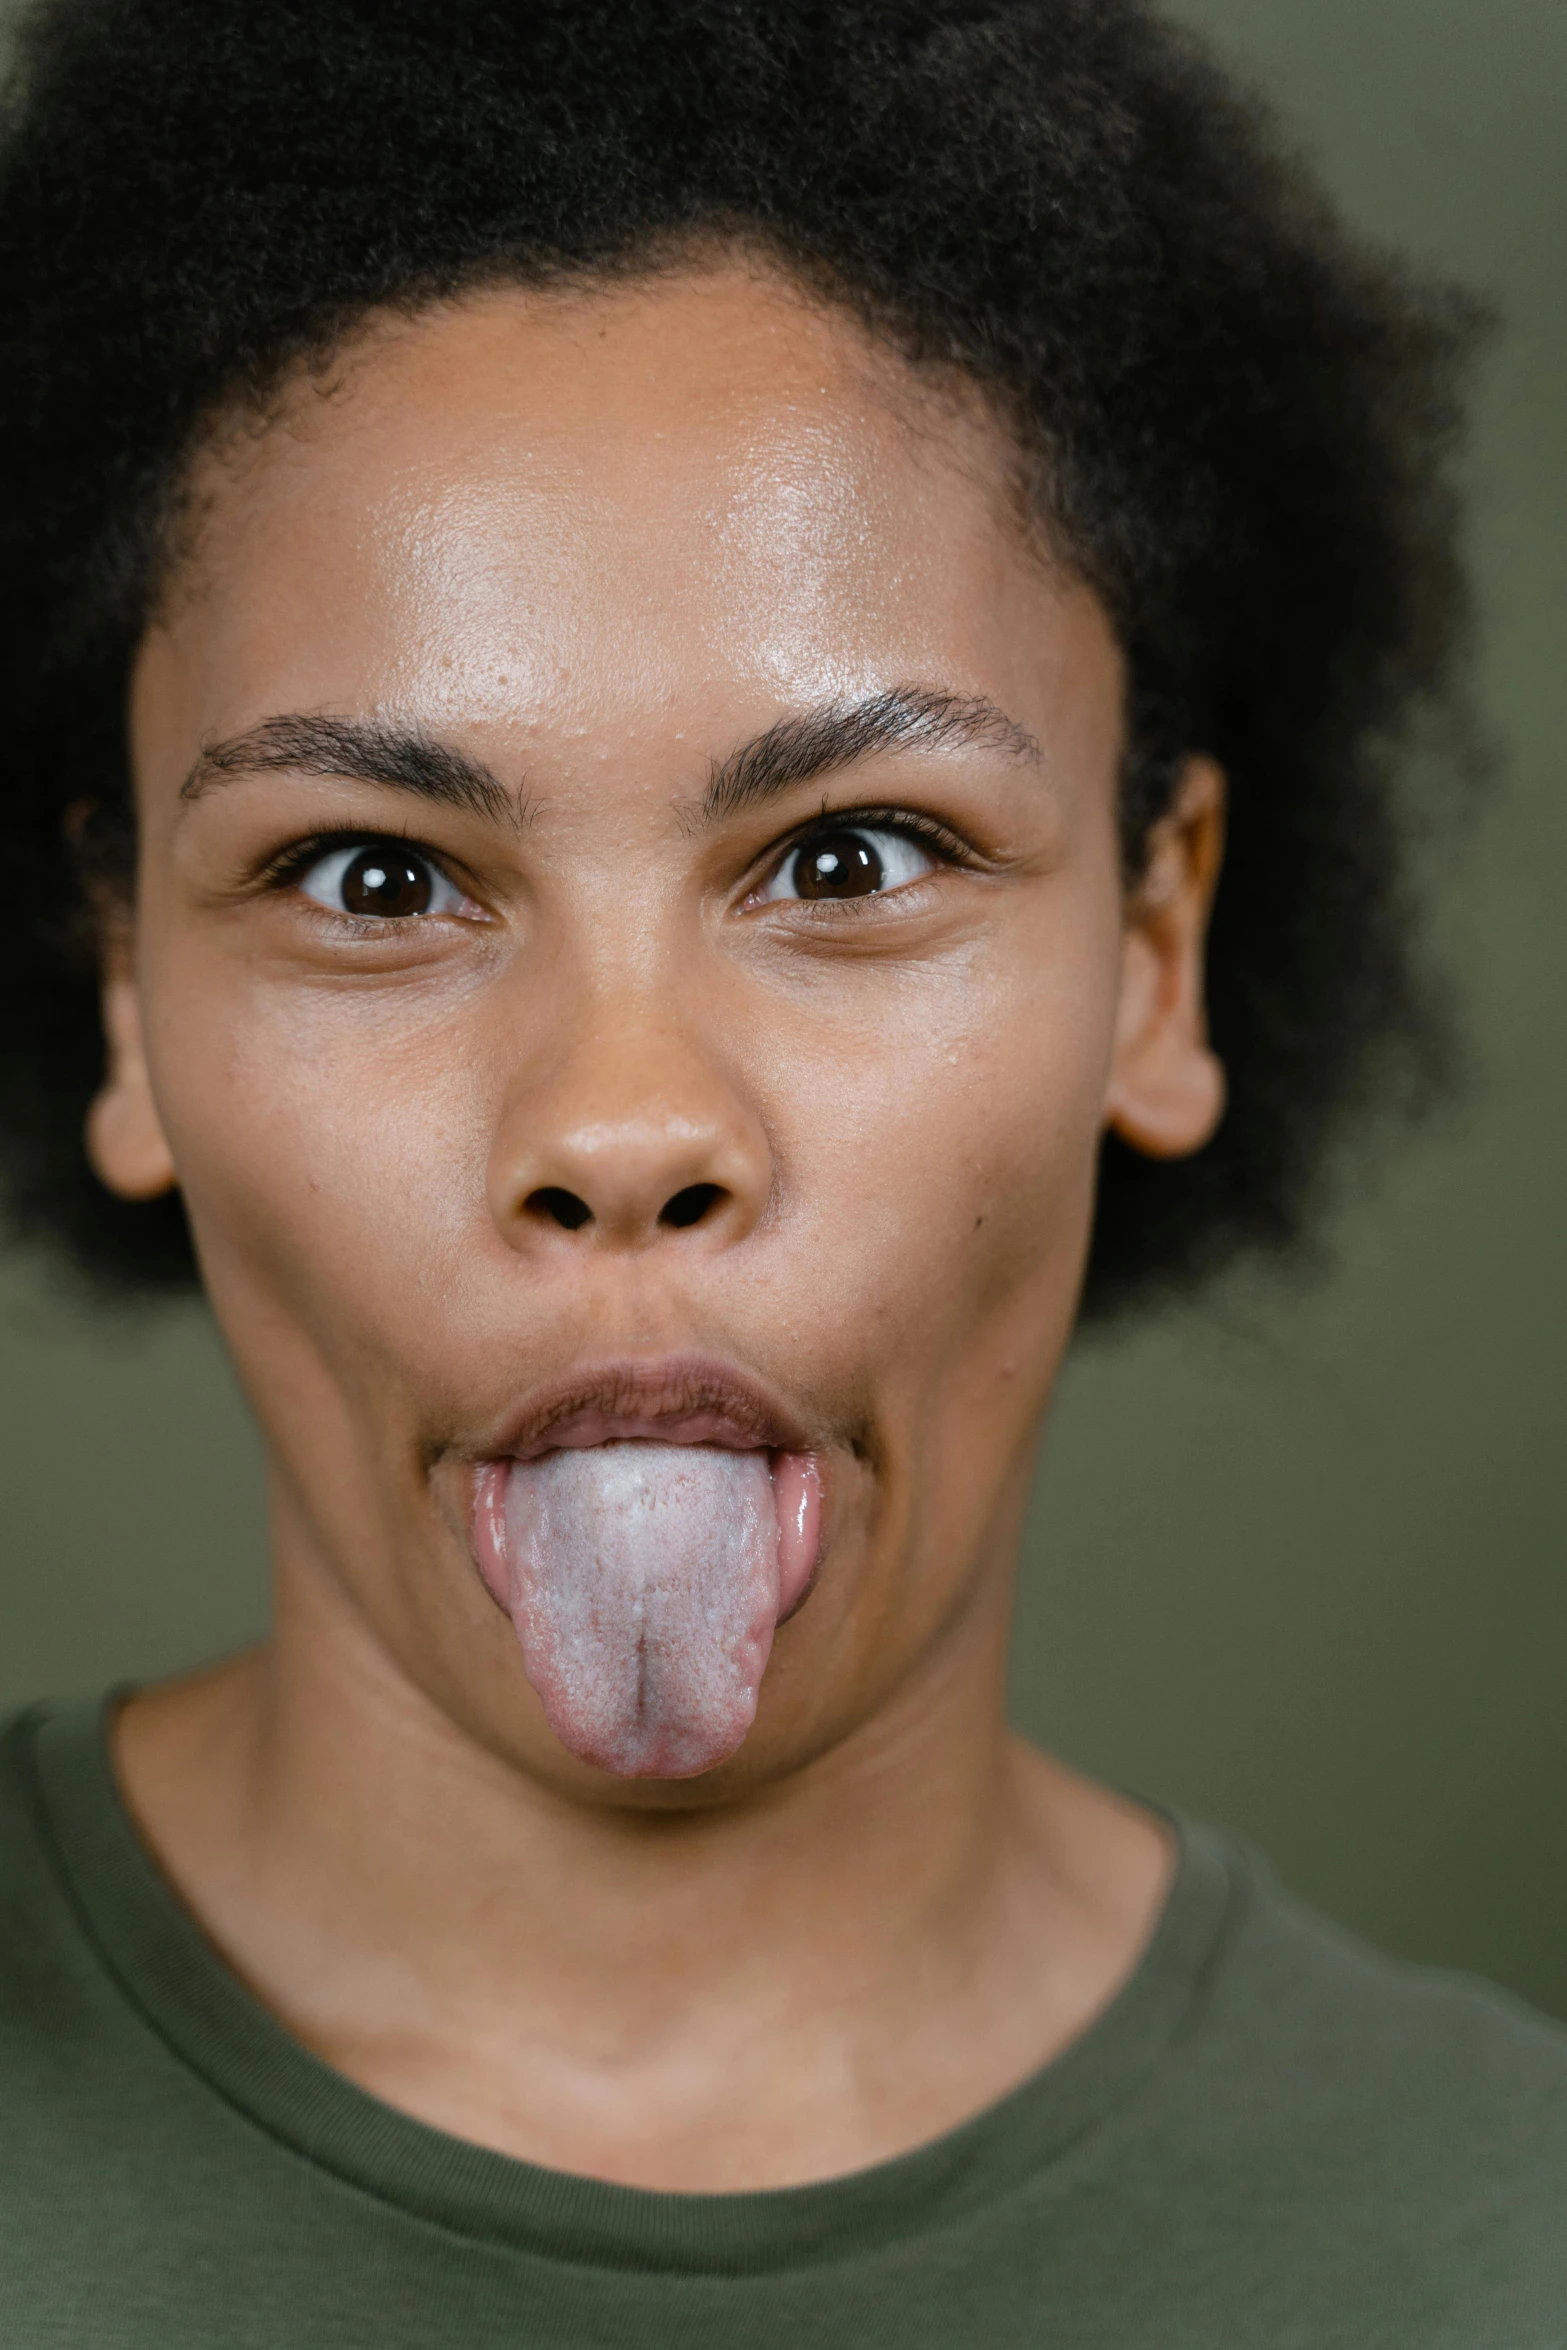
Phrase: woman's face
(630, 937)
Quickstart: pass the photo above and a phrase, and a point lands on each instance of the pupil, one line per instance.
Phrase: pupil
(838, 865)
(386, 881)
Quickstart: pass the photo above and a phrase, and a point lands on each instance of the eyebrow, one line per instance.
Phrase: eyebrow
(361, 751)
(792, 751)
(818, 742)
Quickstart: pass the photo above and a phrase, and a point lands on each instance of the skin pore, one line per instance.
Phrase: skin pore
(598, 610)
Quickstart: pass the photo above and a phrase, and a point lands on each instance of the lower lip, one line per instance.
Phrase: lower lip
(797, 1499)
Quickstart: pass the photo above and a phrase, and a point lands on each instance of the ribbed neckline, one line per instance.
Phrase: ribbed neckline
(165, 1968)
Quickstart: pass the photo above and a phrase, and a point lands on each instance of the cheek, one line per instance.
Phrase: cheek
(331, 1151)
(937, 1152)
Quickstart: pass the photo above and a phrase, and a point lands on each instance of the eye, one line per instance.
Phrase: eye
(849, 861)
(382, 878)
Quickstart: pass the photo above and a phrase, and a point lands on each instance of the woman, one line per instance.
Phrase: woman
(638, 635)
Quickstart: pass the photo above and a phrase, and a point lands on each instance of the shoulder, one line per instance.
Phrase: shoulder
(1374, 2115)
(1357, 2030)
(35, 1913)
(74, 2047)
(51, 1980)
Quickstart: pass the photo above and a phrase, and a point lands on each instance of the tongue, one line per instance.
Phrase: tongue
(643, 1581)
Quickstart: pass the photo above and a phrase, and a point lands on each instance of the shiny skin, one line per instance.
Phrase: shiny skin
(596, 541)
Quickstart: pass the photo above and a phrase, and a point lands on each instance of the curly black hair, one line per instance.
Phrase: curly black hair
(1238, 422)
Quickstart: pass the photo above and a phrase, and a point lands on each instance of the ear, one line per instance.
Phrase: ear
(1166, 1090)
(125, 1139)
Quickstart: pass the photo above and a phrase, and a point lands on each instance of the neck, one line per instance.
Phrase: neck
(812, 1978)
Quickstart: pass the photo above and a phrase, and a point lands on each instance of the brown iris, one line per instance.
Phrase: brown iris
(387, 881)
(837, 865)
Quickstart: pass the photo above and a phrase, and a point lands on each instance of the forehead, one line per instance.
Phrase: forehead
(604, 497)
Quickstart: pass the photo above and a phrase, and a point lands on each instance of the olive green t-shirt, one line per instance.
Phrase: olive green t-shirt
(1271, 2137)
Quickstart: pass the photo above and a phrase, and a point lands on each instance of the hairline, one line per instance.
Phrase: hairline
(242, 420)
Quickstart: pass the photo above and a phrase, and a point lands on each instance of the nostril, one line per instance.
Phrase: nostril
(691, 1205)
(559, 1207)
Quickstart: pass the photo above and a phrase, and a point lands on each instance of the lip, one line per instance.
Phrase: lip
(667, 1399)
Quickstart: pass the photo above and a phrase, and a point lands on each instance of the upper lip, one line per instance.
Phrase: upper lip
(664, 1399)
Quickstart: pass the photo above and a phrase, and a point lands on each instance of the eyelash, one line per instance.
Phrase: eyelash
(931, 834)
(285, 869)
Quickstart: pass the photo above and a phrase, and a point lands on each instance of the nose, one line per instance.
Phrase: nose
(634, 1134)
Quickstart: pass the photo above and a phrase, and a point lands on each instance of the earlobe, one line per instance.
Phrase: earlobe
(1166, 1091)
(124, 1134)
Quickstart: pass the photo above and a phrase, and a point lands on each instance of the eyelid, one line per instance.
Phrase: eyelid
(912, 823)
(929, 831)
(287, 866)
(289, 869)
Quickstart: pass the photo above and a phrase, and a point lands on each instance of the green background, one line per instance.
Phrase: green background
(1296, 1561)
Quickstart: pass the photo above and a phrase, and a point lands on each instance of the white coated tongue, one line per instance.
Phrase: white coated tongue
(644, 1590)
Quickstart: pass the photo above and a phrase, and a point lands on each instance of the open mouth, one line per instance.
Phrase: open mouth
(647, 1528)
